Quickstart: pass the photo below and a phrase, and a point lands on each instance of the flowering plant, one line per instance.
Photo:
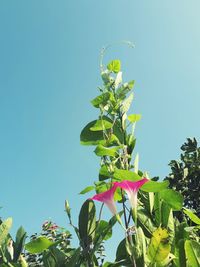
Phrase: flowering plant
(152, 237)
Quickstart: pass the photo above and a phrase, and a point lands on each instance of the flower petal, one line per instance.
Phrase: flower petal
(107, 197)
(131, 188)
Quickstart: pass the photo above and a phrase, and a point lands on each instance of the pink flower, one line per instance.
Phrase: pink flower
(107, 197)
(131, 188)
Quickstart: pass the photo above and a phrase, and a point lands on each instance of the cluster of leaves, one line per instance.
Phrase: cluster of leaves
(50, 248)
(185, 176)
(153, 236)
(156, 238)
(92, 233)
(11, 251)
(162, 240)
(50, 232)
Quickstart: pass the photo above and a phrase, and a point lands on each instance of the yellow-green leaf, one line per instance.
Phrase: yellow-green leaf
(104, 151)
(101, 100)
(4, 230)
(38, 245)
(192, 251)
(166, 262)
(23, 261)
(87, 189)
(159, 247)
(101, 125)
(134, 117)
(114, 66)
(193, 217)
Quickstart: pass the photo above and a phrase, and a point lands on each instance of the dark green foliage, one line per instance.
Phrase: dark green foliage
(185, 176)
(19, 243)
(87, 223)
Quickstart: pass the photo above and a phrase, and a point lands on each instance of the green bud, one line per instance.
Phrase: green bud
(67, 209)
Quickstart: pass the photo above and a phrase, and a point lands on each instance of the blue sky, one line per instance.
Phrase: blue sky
(49, 72)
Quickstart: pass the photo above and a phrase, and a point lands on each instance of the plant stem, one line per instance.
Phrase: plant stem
(134, 213)
(100, 212)
(124, 210)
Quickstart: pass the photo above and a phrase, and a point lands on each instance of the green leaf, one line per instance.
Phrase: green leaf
(121, 253)
(68, 209)
(126, 175)
(38, 245)
(167, 219)
(101, 100)
(89, 137)
(114, 66)
(105, 75)
(73, 262)
(101, 125)
(159, 247)
(145, 222)
(142, 247)
(136, 163)
(180, 236)
(180, 260)
(118, 263)
(131, 84)
(150, 201)
(104, 173)
(101, 187)
(22, 261)
(134, 117)
(105, 233)
(4, 230)
(180, 233)
(193, 217)
(48, 259)
(131, 141)
(165, 214)
(192, 250)
(54, 258)
(173, 198)
(87, 222)
(87, 189)
(118, 79)
(124, 89)
(19, 243)
(104, 151)
(117, 130)
(152, 186)
(127, 103)
(157, 208)
(167, 261)
(147, 198)
(103, 229)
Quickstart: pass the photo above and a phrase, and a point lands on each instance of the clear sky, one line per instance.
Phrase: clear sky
(49, 71)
